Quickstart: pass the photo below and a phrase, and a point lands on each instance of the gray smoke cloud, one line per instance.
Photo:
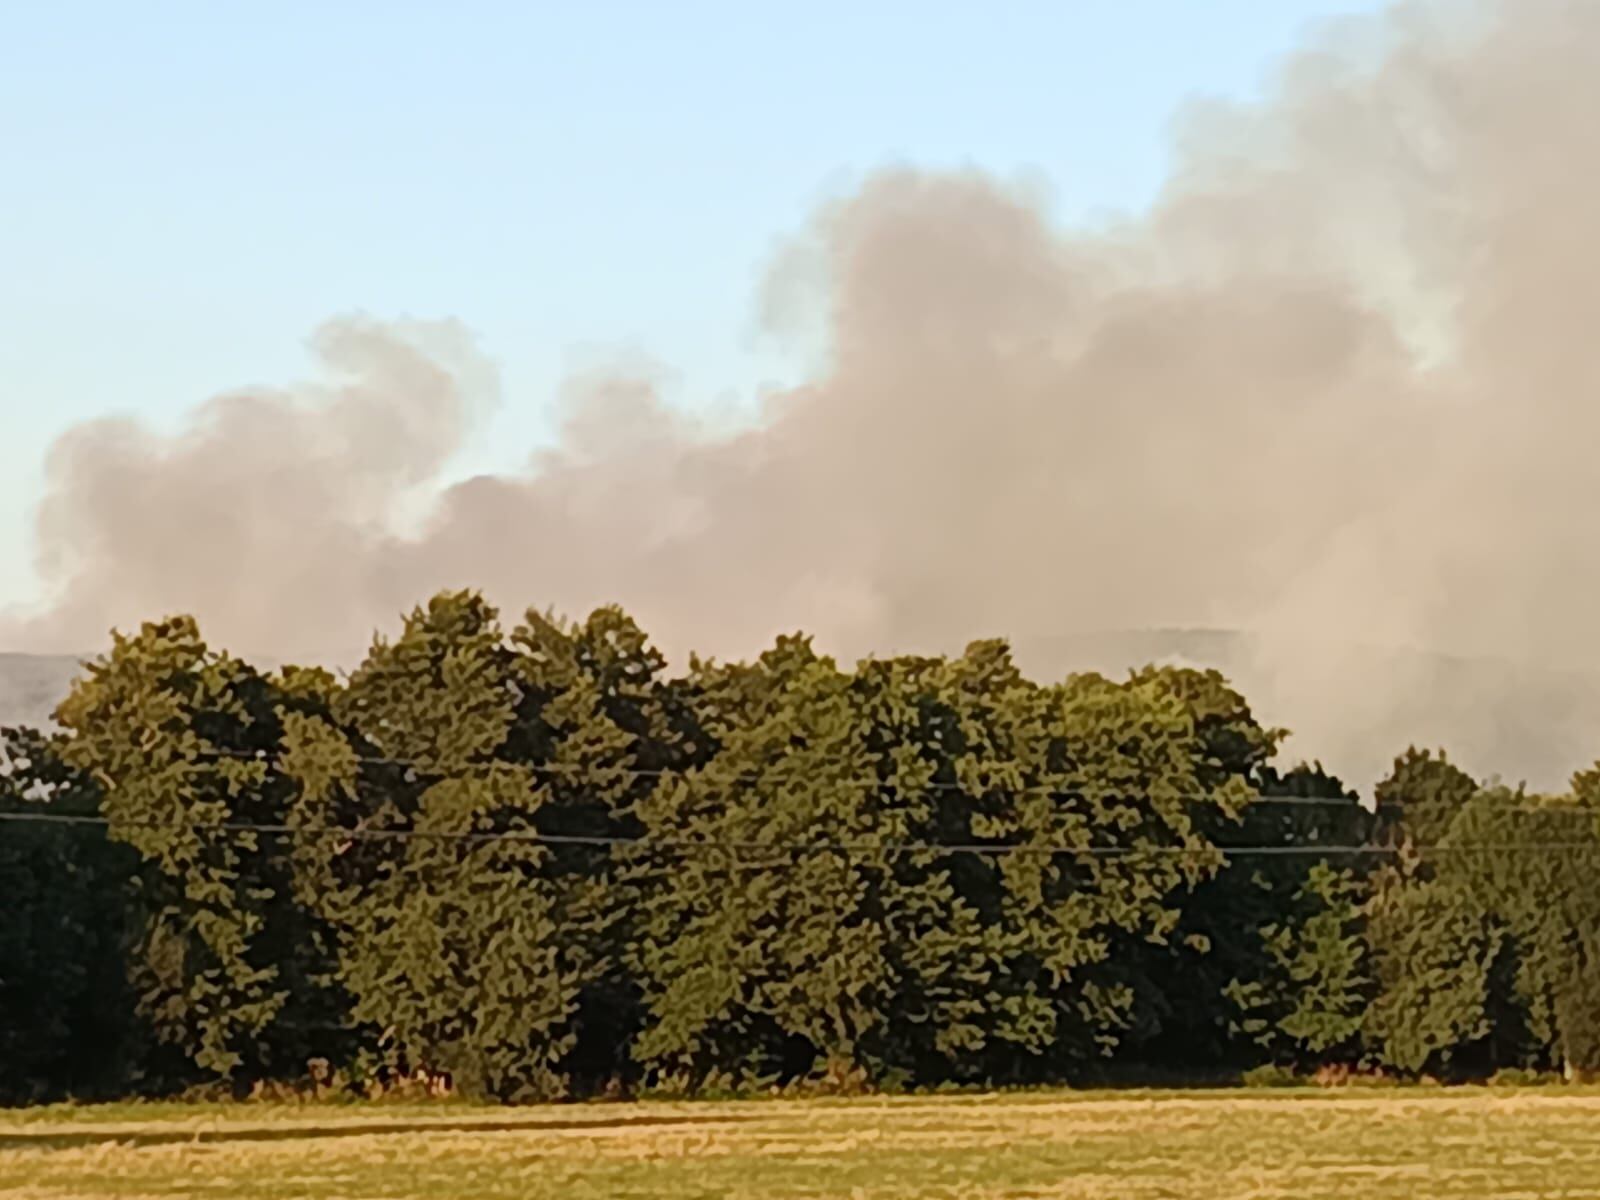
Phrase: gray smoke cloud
(1336, 390)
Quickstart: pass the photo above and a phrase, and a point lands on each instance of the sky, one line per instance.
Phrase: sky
(192, 188)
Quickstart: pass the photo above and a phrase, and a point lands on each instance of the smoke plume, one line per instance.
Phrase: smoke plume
(1335, 390)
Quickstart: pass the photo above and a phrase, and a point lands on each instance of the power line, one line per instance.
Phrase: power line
(703, 775)
(657, 842)
(712, 775)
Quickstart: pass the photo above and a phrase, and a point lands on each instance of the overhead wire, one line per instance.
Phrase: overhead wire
(1247, 800)
(1245, 803)
(845, 846)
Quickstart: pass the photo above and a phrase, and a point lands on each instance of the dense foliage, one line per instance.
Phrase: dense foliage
(534, 862)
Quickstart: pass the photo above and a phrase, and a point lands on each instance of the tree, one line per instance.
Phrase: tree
(1308, 987)
(180, 740)
(818, 921)
(1535, 875)
(1435, 954)
(1416, 805)
(599, 724)
(1122, 773)
(475, 944)
(1265, 960)
(758, 957)
(66, 1016)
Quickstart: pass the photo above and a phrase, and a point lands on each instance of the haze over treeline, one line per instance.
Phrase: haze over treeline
(1334, 389)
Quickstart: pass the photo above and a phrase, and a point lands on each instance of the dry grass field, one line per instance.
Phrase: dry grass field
(1414, 1145)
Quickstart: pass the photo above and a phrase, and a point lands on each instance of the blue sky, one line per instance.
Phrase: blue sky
(190, 188)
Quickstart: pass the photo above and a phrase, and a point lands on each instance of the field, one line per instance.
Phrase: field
(1375, 1145)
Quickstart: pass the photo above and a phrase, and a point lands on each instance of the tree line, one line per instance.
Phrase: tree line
(534, 861)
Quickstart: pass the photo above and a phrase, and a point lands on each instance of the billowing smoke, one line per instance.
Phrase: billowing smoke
(1337, 390)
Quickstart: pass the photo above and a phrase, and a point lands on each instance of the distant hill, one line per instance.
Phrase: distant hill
(31, 685)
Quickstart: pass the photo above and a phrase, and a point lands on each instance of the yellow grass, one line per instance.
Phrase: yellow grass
(1373, 1145)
